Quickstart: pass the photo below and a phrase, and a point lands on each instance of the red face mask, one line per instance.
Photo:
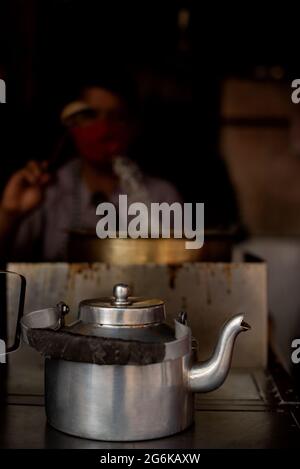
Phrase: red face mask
(101, 140)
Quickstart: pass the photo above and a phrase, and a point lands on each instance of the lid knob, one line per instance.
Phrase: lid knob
(121, 293)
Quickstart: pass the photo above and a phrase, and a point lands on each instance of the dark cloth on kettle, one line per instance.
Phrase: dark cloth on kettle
(65, 345)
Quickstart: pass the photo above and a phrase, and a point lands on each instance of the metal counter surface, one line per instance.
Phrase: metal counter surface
(248, 411)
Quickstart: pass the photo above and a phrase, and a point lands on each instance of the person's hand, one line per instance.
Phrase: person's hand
(25, 189)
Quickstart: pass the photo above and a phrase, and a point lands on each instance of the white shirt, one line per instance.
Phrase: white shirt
(68, 204)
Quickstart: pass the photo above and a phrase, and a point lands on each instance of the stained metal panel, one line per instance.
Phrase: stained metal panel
(209, 292)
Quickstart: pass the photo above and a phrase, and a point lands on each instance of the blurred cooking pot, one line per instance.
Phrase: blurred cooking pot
(85, 246)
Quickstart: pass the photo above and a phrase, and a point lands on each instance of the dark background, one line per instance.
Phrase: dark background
(47, 47)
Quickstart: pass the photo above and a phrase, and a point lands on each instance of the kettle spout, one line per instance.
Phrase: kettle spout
(207, 376)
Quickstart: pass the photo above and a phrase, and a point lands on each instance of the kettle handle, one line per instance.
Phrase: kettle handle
(16, 343)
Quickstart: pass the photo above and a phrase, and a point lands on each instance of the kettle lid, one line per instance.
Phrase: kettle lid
(121, 309)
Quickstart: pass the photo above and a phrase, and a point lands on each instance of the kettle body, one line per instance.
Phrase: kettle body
(118, 403)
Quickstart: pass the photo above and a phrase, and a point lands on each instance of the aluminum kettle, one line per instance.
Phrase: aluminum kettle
(148, 396)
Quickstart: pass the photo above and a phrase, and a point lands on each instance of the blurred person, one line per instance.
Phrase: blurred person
(38, 210)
